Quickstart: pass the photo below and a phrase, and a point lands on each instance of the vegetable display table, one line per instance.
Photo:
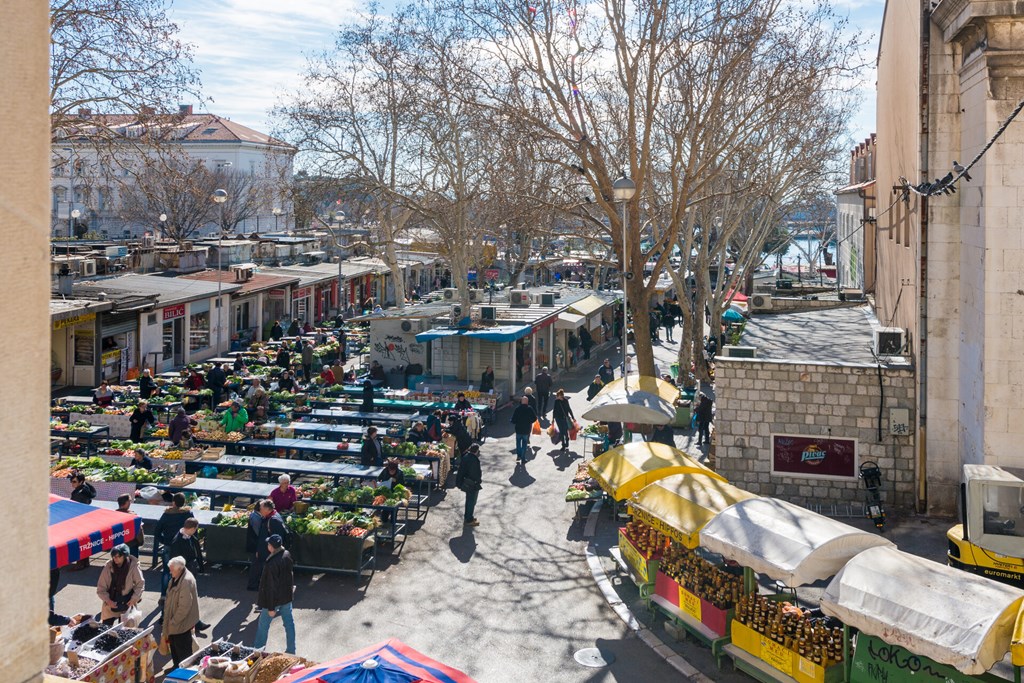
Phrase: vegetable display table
(95, 434)
(342, 416)
(323, 430)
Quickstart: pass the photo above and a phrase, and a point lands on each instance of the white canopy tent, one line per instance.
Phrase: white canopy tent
(952, 617)
(785, 541)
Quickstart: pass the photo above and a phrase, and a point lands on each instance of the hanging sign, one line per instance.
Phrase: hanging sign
(172, 312)
(73, 320)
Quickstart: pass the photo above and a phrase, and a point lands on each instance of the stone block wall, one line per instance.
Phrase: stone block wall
(758, 398)
(795, 304)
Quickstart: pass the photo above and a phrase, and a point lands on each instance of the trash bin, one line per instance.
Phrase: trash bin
(682, 418)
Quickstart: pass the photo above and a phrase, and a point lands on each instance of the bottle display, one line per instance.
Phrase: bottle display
(702, 578)
(650, 542)
(810, 637)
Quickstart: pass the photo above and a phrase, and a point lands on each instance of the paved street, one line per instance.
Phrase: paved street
(510, 600)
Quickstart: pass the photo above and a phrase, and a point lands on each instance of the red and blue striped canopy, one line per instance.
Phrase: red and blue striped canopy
(396, 663)
(77, 531)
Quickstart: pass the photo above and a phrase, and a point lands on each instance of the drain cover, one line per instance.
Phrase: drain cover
(593, 658)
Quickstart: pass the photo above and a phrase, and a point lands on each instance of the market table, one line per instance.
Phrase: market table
(355, 416)
(406, 405)
(322, 430)
(90, 436)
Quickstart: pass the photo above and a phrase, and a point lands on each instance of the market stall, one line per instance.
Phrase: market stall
(93, 652)
(77, 531)
(391, 660)
(909, 609)
(772, 637)
(625, 469)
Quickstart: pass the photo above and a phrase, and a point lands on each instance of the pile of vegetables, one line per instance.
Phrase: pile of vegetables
(353, 494)
(76, 426)
(97, 469)
(219, 435)
(596, 428)
(583, 486)
(317, 520)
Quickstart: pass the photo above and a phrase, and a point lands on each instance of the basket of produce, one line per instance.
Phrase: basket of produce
(182, 480)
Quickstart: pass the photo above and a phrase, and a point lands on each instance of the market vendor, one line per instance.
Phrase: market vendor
(461, 404)
(390, 476)
(194, 381)
(285, 495)
(121, 585)
(487, 380)
(434, 425)
(284, 359)
(81, 490)
(215, 380)
(238, 367)
(294, 330)
(418, 433)
(276, 331)
(377, 371)
(138, 420)
(147, 387)
(234, 418)
(327, 377)
(258, 401)
(141, 459)
(103, 395)
(371, 453)
(285, 382)
(178, 428)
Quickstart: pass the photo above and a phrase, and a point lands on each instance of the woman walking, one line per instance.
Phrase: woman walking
(562, 412)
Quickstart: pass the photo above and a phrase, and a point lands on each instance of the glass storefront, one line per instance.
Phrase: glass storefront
(199, 326)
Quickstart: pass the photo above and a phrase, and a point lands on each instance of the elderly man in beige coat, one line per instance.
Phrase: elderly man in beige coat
(181, 611)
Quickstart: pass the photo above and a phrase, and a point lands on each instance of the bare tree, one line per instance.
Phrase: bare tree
(246, 195)
(115, 56)
(177, 187)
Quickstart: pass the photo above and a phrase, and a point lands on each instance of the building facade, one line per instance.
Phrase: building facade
(855, 226)
(948, 265)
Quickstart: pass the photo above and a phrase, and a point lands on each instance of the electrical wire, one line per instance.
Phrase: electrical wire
(874, 220)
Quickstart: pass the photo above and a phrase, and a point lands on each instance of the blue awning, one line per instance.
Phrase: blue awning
(502, 333)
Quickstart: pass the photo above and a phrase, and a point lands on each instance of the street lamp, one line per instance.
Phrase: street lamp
(71, 194)
(623, 190)
(71, 221)
(219, 197)
(277, 212)
(163, 225)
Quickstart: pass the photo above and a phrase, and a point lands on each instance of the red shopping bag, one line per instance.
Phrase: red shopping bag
(574, 430)
(536, 427)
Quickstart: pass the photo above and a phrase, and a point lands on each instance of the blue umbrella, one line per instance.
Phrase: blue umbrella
(732, 316)
(370, 671)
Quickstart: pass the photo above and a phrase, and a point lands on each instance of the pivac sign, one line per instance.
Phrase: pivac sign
(876, 661)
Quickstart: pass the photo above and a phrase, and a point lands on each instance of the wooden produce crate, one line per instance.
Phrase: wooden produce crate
(183, 480)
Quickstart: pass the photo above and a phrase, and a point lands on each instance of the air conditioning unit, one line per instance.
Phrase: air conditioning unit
(761, 302)
(412, 326)
(456, 312)
(243, 271)
(547, 299)
(519, 297)
(889, 341)
(488, 313)
(476, 295)
(87, 268)
(738, 351)
(451, 294)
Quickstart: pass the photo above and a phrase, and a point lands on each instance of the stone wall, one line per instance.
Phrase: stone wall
(792, 304)
(759, 398)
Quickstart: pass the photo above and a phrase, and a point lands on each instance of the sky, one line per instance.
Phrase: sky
(250, 52)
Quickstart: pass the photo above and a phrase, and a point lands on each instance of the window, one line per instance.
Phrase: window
(199, 326)
(151, 319)
(242, 316)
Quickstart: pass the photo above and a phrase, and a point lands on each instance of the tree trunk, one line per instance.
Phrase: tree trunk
(639, 306)
(391, 260)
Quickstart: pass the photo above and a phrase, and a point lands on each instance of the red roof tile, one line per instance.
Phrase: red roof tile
(257, 283)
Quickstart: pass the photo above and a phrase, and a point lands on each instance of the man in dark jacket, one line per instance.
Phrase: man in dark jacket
(543, 384)
(523, 418)
(371, 454)
(586, 342)
(606, 371)
(268, 524)
(284, 359)
(277, 589)
(307, 361)
(276, 331)
(704, 415)
(215, 380)
(470, 480)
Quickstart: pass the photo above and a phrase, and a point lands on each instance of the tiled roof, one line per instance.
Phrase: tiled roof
(257, 283)
(195, 128)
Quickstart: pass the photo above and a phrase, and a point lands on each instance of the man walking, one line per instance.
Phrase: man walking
(523, 418)
(606, 371)
(215, 379)
(267, 523)
(470, 480)
(704, 415)
(277, 589)
(543, 384)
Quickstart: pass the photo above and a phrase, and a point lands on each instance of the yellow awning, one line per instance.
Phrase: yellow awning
(680, 505)
(588, 305)
(624, 470)
(651, 385)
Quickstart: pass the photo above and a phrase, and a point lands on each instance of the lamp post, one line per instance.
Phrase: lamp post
(71, 192)
(623, 190)
(163, 225)
(277, 212)
(71, 222)
(219, 197)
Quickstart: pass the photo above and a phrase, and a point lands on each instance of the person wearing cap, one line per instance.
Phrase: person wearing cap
(178, 428)
(139, 418)
(234, 418)
(120, 585)
(543, 383)
(461, 404)
(269, 523)
(181, 611)
(141, 459)
(276, 591)
(391, 476)
(470, 479)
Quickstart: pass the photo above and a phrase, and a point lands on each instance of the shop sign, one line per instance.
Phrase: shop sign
(300, 293)
(276, 294)
(777, 655)
(491, 274)
(876, 661)
(172, 312)
(689, 603)
(633, 557)
(110, 355)
(641, 515)
(814, 456)
(544, 323)
(73, 321)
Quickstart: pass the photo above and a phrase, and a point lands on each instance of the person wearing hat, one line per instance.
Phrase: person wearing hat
(543, 383)
(277, 589)
(461, 404)
(181, 611)
(267, 522)
(235, 417)
(390, 476)
(120, 585)
(138, 419)
(470, 480)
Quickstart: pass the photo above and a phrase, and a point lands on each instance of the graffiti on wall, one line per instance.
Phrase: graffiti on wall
(396, 349)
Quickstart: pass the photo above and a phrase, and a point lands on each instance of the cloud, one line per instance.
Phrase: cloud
(248, 51)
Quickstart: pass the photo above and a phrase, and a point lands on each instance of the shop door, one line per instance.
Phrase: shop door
(174, 341)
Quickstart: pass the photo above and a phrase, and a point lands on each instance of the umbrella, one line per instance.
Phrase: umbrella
(77, 531)
(389, 662)
(653, 385)
(634, 406)
(732, 316)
